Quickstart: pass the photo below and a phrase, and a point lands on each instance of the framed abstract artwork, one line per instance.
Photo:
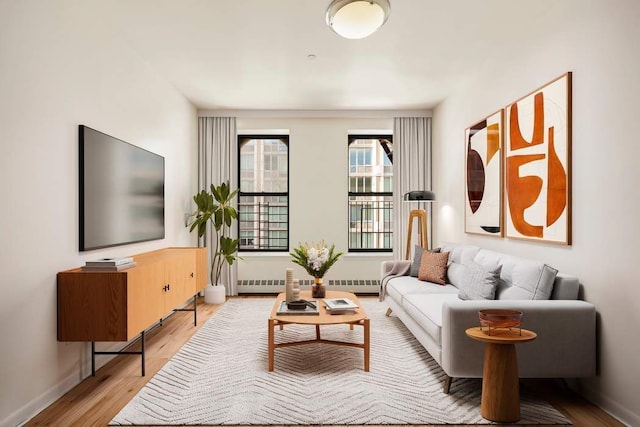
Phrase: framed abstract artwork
(538, 164)
(483, 204)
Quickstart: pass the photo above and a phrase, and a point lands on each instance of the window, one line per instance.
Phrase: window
(263, 200)
(370, 193)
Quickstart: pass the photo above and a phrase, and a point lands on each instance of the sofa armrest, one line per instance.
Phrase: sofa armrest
(395, 265)
(565, 346)
(565, 287)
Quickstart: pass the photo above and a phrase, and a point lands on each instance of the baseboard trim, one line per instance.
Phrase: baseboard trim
(37, 405)
(44, 400)
(610, 406)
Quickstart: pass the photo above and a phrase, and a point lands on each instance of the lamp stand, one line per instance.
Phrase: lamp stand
(421, 214)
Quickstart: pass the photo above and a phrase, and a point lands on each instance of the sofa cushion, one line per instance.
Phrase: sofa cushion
(478, 282)
(460, 253)
(456, 274)
(433, 267)
(426, 310)
(523, 278)
(417, 259)
(399, 287)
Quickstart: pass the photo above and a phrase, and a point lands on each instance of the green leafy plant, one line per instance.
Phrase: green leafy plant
(316, 258)
(215, 207)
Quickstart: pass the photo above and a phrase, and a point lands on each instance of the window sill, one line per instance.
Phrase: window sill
(286, 254)
(263, 254)
(369, 254)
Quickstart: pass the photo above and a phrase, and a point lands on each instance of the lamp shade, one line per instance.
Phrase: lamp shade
(357, 19)
(419, 196)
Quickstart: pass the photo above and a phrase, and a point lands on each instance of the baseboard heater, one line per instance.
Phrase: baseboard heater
(361, 286)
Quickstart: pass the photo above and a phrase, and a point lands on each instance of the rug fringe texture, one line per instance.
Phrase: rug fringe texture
(220, 377)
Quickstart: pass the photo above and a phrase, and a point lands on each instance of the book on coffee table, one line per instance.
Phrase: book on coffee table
(340, 305)
(283, 309)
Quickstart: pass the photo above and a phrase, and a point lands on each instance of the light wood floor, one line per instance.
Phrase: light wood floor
(96, 400)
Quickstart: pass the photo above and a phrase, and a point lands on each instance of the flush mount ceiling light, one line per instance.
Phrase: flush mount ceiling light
(357, 19)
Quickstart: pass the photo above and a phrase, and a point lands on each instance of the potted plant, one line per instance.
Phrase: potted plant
(214, 206)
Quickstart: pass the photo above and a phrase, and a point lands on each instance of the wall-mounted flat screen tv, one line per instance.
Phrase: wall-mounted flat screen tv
(121, 192)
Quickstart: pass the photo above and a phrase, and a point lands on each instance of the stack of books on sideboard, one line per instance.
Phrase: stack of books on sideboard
(109, 264)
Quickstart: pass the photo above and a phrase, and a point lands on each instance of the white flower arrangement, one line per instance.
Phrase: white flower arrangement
(316, 258)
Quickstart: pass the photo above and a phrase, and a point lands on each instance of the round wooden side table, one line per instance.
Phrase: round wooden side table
(500, 382)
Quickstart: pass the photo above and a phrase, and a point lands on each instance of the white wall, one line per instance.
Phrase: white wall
(318, 180)
(598, 41)
(59, 68)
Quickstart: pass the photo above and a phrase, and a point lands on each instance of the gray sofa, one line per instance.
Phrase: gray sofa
(437, 317)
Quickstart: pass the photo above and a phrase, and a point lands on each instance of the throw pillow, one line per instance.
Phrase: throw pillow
(456, 274)
(433, 267)
(479, 282)
(417, 257)
(415, 265)
(530, 280)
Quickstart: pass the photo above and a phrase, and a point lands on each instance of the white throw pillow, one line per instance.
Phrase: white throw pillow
(475, 281)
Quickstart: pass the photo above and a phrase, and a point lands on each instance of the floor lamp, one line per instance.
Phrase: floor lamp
(421, 214)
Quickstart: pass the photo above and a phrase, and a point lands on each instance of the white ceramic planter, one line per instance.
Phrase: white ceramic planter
(214, 294)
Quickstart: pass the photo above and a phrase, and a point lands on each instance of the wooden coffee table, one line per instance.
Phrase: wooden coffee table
(358, 318)
(500, 383)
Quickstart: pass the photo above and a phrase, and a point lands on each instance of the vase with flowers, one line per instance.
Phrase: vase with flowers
(316, 259)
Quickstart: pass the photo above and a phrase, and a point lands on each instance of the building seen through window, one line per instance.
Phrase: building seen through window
(263, 201)
(370, 193)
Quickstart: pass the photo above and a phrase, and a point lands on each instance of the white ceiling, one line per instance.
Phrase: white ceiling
(252, 54)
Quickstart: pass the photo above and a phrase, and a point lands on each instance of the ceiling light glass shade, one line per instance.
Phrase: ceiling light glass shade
(357, 19)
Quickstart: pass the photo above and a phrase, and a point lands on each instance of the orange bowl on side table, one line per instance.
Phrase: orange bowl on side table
(500, 318)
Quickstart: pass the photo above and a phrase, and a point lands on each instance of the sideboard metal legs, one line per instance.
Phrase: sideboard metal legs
(141, 338)
(121, 352)
(194, 309)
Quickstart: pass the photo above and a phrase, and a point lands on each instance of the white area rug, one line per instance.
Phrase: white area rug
(220, 377)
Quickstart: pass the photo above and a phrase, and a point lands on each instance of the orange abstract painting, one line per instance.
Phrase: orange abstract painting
(538, 164)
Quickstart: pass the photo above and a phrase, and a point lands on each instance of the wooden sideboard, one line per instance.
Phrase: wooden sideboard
(120, 305)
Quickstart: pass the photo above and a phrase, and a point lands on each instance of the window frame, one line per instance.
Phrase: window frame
(285, 140)
(351, 138)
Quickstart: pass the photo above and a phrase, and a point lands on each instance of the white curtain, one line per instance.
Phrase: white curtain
(217, 163)
(411, 172)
